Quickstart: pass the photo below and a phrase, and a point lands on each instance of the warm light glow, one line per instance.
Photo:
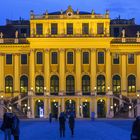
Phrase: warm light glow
(31, 88)
(111, 106)
(115, 104)
(53, 100)
(108, 88)
(10, 107)
(45, 88)
(25, 105)
(138, 95)
(1, 96)
(39, 101)
(101, 100)
(94, 88)
(28, 107)
(130, 107)
(86, 100)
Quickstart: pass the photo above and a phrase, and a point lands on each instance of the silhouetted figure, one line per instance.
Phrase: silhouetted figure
(15, 127)
(62, 121)
(50, 117)
(6, 126)
(72, 124)
(135, 135)
(56, 116)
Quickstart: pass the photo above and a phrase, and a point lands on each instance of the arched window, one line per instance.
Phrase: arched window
(54, 85)
(24, 84)
(131, 83)
(116, 84)
(70, 85)
(8, 84)
(100, 84)
(39, 85)
(86, 85)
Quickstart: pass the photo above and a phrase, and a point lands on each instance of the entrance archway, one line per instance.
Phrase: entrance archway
(39, 106)
(86, 110)
(70, 107)
(101, 108)
(54, 109)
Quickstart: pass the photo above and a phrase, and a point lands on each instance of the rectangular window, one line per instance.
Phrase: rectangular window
(70, 58)
(85, 28)
(54, 57)
(39, 58)
(8, 58)
(116, 58)
(39, 29)
(54, 28)
(100, 57)
(100, 28)
(85, 57)
(131, 58)
(23, 58)
(69, 28)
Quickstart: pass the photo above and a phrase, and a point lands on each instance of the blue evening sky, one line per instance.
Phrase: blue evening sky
(13, 9)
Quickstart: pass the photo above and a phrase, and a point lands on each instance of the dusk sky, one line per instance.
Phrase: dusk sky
(13, 9)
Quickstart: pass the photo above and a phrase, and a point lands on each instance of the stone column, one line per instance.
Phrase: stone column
(78, 71)
(2, 72)
(108, 69)
(49, 105)
(1, 108)
(93, 69)
(32, 107)
(16, 73)
(62, 105)
(32, 70)
(47, 71)
(124, 78)
(59, 106)
(45, 108)
(108, 108)
(91, 106)
(138, 73)
(77, 108)
(62, 71)
(95, 107)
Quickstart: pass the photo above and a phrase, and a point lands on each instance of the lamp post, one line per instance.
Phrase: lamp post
(138, 104)
(131, 112)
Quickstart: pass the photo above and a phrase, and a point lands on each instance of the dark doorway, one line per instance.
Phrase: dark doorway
(101, 109)
(86, 110)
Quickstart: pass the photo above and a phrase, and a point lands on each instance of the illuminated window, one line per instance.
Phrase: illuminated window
(54, 28)
(54, 57)
(70, 85)
(54, 85)
(85, 57)
(116, 84)
(70, 58)
(24, 84)
(100, 28)
(85, 28)
(39, 85)
(131, 58)
(39, 56)
(8, 58)
(39, 29)
(131, 83)
(100, 57)
(116, 58)
(8, 84)
(69, 28)
(86, 84)
(100, 84)
(23, 58)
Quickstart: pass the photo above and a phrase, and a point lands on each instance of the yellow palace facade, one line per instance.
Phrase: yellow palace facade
(69, 63)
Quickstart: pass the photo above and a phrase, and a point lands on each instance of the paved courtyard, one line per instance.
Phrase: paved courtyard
(84, 130)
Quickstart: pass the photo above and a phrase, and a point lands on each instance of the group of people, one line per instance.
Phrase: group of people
(135, 135)
(10, 126)
(62, 121)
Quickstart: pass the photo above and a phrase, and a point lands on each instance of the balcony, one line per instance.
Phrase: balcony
(39, 93)
(13, 41)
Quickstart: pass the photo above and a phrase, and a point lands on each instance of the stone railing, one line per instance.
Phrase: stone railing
(126, 40)
(64, 16)
(13, 41)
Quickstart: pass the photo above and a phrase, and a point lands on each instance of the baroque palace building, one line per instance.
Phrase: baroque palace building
(70, 63)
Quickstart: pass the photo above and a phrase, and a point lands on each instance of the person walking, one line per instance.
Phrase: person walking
(6, 126)
(135, 135)
(15, 127)
(71, 124)
(62, 121)
(50, 117)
